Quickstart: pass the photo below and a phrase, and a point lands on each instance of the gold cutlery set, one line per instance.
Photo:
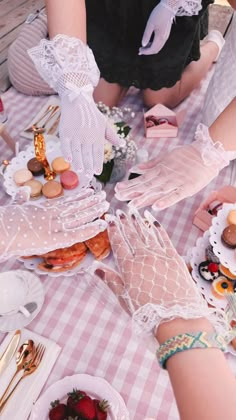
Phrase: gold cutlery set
(28, 359)
(43, 122)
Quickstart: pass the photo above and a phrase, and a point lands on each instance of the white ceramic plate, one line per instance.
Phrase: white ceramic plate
(35, 294)
(226, 255)
(94, 386)
(32, 264)
(52, 151)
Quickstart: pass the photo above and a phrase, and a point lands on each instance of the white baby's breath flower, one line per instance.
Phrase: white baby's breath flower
(108, 153)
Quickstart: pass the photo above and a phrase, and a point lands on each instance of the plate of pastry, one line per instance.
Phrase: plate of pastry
(70, 260)
(25, 170)
(223, 236)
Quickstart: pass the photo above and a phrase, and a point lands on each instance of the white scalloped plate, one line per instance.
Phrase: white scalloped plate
(198, 256)
(94, 386)
(52, 151)
(226, 255)
(32, 264)
(35, 294)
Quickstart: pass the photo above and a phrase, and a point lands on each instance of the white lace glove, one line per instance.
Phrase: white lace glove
(69, 67)
(153, 282)
(30, 229)
(160, 22)
(183, 172)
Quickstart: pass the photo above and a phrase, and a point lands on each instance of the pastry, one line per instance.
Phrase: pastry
(221, 286)
(59, 165)
(35, 167)
(69, 180)
(229, 236)
(22, 176)
(99, 245)
(35, 188)
(226, 272)
(63, 259)
(52, 189)
(231, 218)
(208, 270)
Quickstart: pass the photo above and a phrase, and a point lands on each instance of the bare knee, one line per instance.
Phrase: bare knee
(109, 94)
(165, 96)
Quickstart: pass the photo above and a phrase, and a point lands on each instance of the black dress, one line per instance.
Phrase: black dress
(115, 29)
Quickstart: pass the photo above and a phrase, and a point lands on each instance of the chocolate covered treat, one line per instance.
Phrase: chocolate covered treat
(229, 236)
(208, 270)
(35, 167)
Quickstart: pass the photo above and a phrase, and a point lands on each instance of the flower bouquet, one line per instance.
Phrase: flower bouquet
(117, 158)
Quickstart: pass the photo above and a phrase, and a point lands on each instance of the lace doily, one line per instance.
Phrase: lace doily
(226, 255)
(52, 151)
(197, 256)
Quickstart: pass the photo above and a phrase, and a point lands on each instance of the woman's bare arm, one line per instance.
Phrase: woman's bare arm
(67, 17)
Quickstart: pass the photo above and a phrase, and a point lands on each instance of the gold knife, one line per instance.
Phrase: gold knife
(10, 351)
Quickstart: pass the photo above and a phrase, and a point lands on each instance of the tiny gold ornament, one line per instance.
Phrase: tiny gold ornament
(40, 152)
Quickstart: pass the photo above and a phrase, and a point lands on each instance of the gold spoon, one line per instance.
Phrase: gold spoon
(24, 356)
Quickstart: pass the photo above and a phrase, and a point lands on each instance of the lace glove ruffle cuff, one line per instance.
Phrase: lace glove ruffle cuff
(211, 153)
(66, 64)
(183, 7)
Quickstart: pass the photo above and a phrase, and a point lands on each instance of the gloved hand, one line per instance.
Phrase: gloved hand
(181, 173)
(68, 65)
(29, 229)
(160, 22)
(153, 283)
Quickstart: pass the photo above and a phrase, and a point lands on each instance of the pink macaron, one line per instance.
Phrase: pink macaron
(69, 180)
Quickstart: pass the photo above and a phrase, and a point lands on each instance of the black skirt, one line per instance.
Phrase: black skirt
(115, 29)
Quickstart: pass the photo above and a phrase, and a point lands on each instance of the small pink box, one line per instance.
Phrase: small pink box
(160, 121)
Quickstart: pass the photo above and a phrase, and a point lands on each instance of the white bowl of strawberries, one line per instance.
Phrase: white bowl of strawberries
(80, 397)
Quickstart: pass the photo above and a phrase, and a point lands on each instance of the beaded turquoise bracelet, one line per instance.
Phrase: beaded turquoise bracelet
(188, 341)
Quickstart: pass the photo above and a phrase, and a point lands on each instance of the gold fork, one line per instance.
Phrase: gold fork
(31, 368)
(49, 109)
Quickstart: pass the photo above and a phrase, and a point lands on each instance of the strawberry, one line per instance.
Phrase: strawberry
(73, 398)
(85, 408)
(58, 411)
(213, 267)
(101, 409)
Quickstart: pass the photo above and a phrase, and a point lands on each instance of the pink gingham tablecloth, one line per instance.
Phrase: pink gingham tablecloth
(94, 333)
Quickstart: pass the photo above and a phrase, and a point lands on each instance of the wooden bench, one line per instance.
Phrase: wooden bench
(13, 14)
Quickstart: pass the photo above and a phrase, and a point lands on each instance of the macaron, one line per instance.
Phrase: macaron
(228, 236)
(35, 188)
(52, 189)
(35, 167)
(226, 272)
(69, 180)
(231, 218)
(21, 176)
(59, 165)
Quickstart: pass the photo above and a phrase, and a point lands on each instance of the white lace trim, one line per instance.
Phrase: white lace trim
(184, 7)
(150, 316)
(65, 59)
(211, 153)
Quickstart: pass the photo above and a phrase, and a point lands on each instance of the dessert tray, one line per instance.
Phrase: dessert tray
(94, 386)
(196, 257)
(53, 150)
(226, 255)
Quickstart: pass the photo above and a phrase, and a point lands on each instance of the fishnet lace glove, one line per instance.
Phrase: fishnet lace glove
(30, 229)
(69, 67)
(160, 22)
(153, 282)
(181, 173)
